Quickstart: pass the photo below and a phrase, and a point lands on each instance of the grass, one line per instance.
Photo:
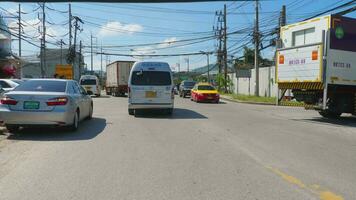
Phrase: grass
(250, 98)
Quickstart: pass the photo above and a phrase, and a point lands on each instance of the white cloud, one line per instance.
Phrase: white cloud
(168, 42)
(31, 27)
(117, 28)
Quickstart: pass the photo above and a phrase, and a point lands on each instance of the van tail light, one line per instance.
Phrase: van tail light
(281, 59)
(58, 101)
(129, 92)
(315, 55)
(8, 101)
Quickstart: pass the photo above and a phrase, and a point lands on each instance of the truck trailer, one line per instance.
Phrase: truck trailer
(117, 75)
(316, 60)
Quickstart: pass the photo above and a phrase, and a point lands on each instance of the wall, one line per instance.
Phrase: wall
(247, 85)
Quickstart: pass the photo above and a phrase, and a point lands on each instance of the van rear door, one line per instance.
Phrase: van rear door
(151, 87)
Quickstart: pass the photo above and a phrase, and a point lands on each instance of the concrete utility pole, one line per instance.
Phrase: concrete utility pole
(178, 66)
(187, 60)
(76, 28)
(91, 53)
(70, 24)
(101, 63)
(20, 30)
(43, 42)
(61, 42)
(257, 46)
(225, 50)
(80, 59)
(207, 63)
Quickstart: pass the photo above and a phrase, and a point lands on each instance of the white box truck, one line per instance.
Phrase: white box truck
(117, 76)
(316, 60)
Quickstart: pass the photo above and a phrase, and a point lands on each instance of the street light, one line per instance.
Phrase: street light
(207, 61)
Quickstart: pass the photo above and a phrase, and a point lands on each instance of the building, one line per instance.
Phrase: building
(32, 65)
(8, 62)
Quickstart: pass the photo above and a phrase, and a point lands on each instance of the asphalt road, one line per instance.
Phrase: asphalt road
(204, 151)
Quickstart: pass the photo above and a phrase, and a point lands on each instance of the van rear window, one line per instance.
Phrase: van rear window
(88, 82)
(151, 78)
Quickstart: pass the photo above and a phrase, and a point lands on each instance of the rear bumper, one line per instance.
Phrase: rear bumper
(57, 118)
(150, 106)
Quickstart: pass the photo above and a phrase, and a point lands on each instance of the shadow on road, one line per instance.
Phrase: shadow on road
(88, 129)
(178, 113)
(342, 121)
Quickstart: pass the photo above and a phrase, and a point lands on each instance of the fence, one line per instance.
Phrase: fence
(246, 86)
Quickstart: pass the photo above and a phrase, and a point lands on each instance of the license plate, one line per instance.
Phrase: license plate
(31, 105)
(151, 94)
(87, 88)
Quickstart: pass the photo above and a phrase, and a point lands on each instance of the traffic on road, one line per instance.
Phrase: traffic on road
(178, 100)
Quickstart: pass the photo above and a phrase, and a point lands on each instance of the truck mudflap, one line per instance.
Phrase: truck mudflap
(302, 85)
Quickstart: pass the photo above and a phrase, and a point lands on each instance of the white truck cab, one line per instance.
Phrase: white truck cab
(150, 87)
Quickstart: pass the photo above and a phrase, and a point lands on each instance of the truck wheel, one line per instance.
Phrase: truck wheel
(131, 111)
(184, 95)
(329, 114)
(14, 129)
(169, 111)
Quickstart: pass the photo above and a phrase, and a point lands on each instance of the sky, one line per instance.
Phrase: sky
(115, 26)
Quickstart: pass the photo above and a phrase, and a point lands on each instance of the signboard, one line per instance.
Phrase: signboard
(64, 71)
(243, 73)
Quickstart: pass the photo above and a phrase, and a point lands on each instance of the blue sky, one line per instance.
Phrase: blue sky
(126, 24)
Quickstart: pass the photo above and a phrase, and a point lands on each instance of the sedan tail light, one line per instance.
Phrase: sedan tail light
(58, 101)
(8, 101)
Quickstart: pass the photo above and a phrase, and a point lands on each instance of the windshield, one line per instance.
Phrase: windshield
(205, 87)
(88, 82)
(188, 84)
(151, 78)
(42, 86)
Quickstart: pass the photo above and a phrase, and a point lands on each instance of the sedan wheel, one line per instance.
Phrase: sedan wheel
(90, 116)
(75, 124)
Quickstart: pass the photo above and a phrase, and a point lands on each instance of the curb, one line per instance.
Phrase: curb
(246, 102)
(286, 104)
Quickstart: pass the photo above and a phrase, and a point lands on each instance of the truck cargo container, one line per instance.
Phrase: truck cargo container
(117, 75)
(316, 60)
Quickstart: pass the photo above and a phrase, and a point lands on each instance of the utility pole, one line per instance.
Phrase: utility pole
(101, 63)
(20, 30)
(43, 41)
(61, 42)
(178, 65)
(187, 60)
(80, 58)
(257, 45)
(73, 50)
(91, 53)
(70, 24)
(225, 50)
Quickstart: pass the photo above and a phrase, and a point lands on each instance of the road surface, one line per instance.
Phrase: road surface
(204, 151)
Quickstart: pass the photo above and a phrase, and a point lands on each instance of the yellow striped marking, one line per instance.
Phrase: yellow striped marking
(302, 85)
(323, 194)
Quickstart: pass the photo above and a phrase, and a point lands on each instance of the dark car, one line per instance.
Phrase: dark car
(185, 88)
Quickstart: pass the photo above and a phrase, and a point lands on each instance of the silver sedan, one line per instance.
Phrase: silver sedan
(45, 102)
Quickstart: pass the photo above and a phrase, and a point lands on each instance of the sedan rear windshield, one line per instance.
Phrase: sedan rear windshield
(189, 83)
(88, 82)
(42, 86)
(205, 87)
(151, 78)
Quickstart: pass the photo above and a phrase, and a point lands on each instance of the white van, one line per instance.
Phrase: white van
(90, 84)
(151, 87)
